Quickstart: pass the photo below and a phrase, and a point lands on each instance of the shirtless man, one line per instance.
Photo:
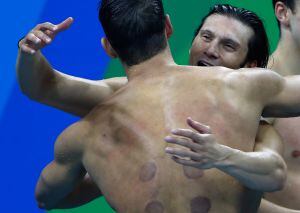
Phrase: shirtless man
(120, 142)
(201, 52)
(285, 61)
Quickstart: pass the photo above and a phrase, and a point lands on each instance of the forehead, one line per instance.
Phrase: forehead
(228, 27)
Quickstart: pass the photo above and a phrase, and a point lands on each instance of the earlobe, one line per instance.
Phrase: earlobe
(282, 14)
(108, 48)
(252, 64)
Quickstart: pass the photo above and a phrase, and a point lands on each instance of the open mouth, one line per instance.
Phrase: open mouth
(203, 64)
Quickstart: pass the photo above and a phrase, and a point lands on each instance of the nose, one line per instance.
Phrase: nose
(212, 51)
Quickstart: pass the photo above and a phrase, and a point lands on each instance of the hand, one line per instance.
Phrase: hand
(42, 35)
(203, 150)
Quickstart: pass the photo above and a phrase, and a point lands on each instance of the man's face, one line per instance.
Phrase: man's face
(295, 23)
(222, 41)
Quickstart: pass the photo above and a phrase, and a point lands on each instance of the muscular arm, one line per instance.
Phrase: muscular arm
(65, 173)
(262, 170)
(40, 82)
(279, 96)
(287, 102)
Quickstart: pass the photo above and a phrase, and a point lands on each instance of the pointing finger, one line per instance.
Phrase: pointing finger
(201, 128)
(64, 25)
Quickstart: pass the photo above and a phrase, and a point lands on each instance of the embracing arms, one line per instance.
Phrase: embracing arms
(64, 182)
(40, 82)
(263, 169)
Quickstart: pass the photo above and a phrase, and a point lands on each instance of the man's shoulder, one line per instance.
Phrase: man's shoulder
(71, 142)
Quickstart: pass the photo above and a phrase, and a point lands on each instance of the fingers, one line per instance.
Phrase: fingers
(64, 25)
(35, 40)
(43, 34)
(185, 162)
(182, 141)
(32, 38)
(201, 128)
(47, 26)
(27, 49)
(183, 153)
(196, 137)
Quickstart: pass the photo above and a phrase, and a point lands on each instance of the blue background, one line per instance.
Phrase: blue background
(29, 129)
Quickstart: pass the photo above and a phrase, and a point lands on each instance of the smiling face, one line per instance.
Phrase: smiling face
(221, 41)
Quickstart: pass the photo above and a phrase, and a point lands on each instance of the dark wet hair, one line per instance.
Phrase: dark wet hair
(258, 45)
(135, 28)
(289, 3)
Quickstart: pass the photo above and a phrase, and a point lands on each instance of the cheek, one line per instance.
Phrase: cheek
(196, 51)
(233, 60)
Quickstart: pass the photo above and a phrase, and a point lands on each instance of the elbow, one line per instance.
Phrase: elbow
(43, 203)
(42, 196)
(31, 93)
(278, 177)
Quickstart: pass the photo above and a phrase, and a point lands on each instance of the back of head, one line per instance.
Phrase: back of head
(134, 28)
(289, 3)
(258, 45)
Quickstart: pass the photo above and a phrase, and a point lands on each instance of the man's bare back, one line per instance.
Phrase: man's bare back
(125, 153)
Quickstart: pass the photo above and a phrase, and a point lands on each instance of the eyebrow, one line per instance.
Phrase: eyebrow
(206, 31)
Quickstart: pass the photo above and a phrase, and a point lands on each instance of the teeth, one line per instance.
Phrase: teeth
(200, 63)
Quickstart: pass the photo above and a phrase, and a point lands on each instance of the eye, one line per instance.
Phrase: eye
(206, 37)
(229, 47)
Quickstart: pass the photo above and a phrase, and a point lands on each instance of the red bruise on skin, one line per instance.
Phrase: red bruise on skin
(154, 207)
(192, 173)
(200, 205)
(296, 154)
(148, 171)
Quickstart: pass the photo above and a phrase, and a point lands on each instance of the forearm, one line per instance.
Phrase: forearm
(263, 171)
(55, 184)
(267, 207)
(34, 74)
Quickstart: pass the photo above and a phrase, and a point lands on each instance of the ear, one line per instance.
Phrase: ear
(168, 26)
(282, 13)
(251, 64)
(108, 48)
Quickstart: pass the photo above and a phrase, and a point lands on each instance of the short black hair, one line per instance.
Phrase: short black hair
(135, 28)
(258, 45)
(289, 3)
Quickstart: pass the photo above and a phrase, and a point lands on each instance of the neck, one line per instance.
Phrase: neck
(285, 59)
(152, 66)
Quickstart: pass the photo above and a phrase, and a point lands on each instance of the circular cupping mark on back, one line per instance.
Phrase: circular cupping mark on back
(148, 171)
(192, 173)
(154, 207)
(200, 205)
